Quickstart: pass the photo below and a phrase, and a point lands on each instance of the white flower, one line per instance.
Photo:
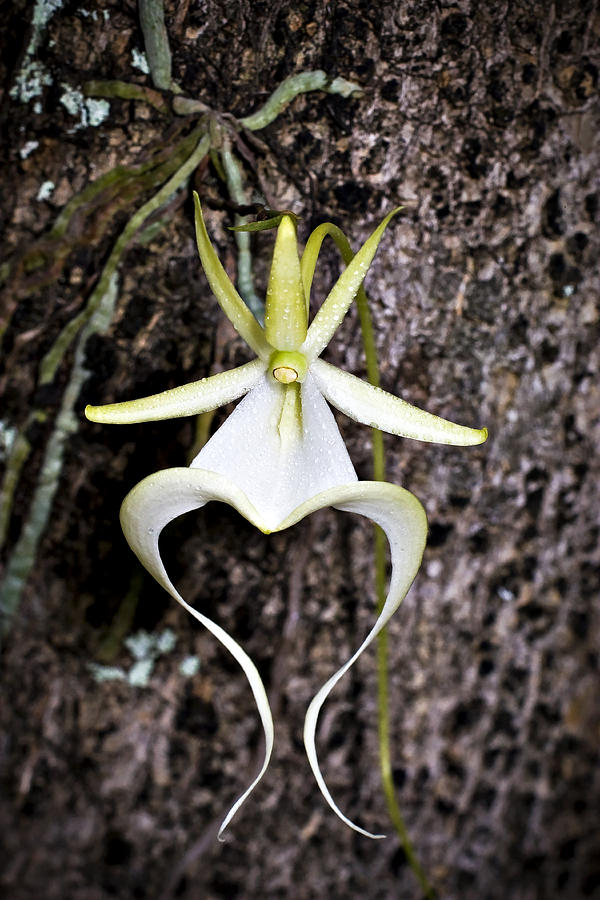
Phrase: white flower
(279, 456)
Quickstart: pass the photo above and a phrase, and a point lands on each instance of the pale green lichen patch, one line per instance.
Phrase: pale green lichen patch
(145, 645)
(91, 113)
(97, 110)
(145, 649)
(42, 13)
(140, 644)
(139, 61)
(106, 673)
(140, 673)
(72, 100)
(30, 81)
(33, 75)
(94, 14)
(45, 190)
(28, 148)
(8, 433)
(166, 641)
(189, 666)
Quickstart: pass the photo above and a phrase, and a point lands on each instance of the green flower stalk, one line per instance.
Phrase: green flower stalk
(280, 456)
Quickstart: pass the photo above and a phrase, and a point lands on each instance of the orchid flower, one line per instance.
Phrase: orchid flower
(280, 456)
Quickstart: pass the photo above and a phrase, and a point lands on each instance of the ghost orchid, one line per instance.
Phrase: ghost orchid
(280, 456)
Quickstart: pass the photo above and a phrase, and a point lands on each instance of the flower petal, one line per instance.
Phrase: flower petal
(164, 496)
(402, 518)
(151, 505)
(372, 406)
(276, 456)
(341, 295)
(187, 400)
(229, 300)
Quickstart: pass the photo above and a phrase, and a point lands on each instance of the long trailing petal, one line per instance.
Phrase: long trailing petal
(372, 406)
(164, 496)
(187, 400)
(340, 297)
(280, 446)
(402, 518)
(229, 300)
(151, 505)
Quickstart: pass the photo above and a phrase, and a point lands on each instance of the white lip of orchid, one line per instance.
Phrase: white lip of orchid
(279, 456)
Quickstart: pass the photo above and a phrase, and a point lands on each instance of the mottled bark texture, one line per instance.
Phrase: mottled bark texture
(483, 118)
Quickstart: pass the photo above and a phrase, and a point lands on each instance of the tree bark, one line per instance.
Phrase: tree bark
(483, 120)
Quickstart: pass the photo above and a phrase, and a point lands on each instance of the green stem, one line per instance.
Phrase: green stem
(95, 318)
(156, 43)
(22, 559)
(16, 460)
(290, 88)
(125, 90)
(383, 706)
(122, 622)
(233, 174)
(52, 359)
(383, 712)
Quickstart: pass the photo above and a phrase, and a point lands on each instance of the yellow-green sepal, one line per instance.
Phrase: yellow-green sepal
(186, 400)
(286, 318)
(372, 406)
(229, 300)
(342, 294)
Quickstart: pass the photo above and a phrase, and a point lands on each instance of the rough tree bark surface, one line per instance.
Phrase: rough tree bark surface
(483, 119)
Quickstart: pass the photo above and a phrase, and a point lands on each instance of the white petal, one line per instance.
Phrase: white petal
(372, 406)
(278, 475)
(186, 400)
(403, 520)
(165, 495)
(151, 505)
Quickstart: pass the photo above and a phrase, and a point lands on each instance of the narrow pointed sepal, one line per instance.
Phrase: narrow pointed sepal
(229, 300)
(146, 510)
(186, 400)
(372, 406)
(340, 297)
(402, 518)
(285, 309)
(312, 249)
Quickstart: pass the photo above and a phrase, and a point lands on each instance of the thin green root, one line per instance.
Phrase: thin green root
(94, 319)
(156, 43)
(122, 622)
(290, 88)
(22, 558)
(383, 712)
(245, 278)
(53, 357)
